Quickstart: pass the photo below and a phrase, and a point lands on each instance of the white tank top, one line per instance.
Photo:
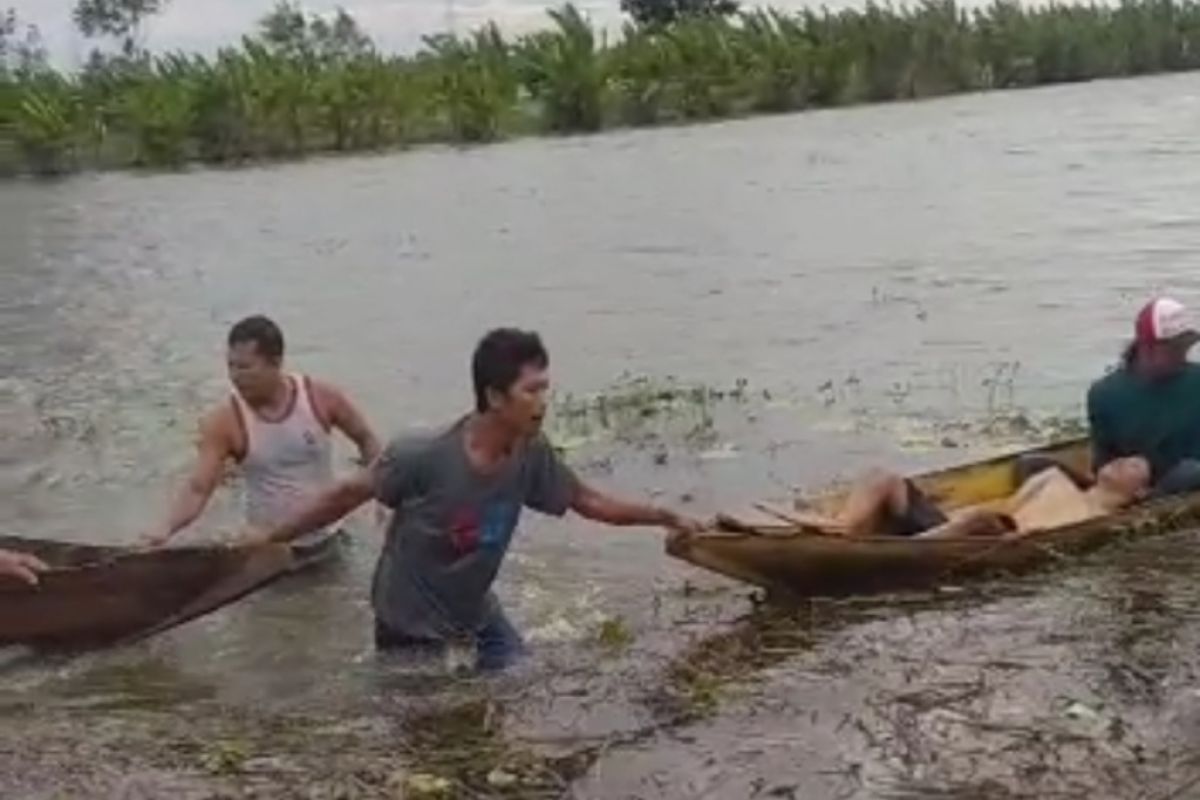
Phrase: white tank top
(285, 462)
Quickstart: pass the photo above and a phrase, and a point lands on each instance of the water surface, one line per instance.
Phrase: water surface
(915, 284)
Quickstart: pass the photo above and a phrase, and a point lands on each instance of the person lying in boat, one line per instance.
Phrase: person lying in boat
(22, 566)
(883, 503)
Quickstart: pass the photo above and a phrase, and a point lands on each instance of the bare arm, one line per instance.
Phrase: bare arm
(1033, 487)
(326, 508)
(973, 522)
(599, 507)
(213, 448)
(346, 417)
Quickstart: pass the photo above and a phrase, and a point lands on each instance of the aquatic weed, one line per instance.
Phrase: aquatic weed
(614, 635)
(225, 757)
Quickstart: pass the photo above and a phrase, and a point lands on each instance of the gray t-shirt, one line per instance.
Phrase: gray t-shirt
(452, 527)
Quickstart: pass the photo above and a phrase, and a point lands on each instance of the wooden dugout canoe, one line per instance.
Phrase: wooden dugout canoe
(95, 596)
(796, 560)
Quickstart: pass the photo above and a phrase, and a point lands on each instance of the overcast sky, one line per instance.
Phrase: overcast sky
(394, 24)
(207, 24)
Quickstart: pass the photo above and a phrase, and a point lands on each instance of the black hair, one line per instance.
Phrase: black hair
(263, 332)
(499, 358)
(1129, 355)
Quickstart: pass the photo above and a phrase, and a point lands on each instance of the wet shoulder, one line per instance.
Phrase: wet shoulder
(422, 444)
(540, 451)
(222, 426)
(410, 464)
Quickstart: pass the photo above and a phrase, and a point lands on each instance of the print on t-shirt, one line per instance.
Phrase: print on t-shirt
(470, 530)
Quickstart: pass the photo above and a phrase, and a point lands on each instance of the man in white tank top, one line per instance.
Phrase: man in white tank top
(276, 425)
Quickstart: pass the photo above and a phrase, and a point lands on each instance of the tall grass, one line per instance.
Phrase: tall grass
(277, 94)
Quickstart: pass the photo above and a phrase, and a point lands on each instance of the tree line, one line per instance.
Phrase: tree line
(302, 83)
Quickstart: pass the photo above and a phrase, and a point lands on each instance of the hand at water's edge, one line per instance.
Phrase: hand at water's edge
(22, 566)
(681, 527)
(250, 536)
(154, 539)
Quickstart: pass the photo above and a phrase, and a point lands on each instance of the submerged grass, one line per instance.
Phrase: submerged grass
(302, 84)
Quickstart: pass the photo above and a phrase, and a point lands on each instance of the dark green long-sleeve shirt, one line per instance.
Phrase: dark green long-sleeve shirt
(1159, 420)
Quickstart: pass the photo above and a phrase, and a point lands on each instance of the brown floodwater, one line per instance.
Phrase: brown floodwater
(732, 310)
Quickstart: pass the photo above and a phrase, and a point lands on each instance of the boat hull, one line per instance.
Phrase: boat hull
(95, 596)
(794, 560)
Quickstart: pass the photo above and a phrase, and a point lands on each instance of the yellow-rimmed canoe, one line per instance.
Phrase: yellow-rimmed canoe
(797, 560)
(95, 596)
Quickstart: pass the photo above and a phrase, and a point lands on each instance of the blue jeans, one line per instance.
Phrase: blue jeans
(497, 643)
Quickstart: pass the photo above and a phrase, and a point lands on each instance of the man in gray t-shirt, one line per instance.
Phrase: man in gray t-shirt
(457, 496)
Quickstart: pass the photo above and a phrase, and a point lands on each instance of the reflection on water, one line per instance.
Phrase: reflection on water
(803, 295)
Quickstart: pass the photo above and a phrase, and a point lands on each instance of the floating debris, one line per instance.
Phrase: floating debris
(501, 779)
(422, 784)
(721, 453)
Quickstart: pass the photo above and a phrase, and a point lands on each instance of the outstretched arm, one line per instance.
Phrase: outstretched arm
(326, 508)
(974, 522)
(391, 477)
(593, 504)
(212, 450)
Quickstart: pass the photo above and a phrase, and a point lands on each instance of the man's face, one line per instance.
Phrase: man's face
(1166, 358)
(523, 407)
(254, 376)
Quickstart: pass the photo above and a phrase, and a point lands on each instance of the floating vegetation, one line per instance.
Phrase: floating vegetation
(646, 412)
(644, 396)
(666, 418)
(697, 680)
(1010, 428)
(459, 751)
(614, 635)
(225, 757)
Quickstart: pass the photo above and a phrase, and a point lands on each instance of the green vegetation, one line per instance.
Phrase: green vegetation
(301, 83)
(614, 635)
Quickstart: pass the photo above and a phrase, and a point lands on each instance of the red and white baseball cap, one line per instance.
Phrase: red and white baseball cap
(1164, 320)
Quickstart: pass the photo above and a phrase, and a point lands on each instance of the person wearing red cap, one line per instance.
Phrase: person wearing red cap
(1150, 406)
